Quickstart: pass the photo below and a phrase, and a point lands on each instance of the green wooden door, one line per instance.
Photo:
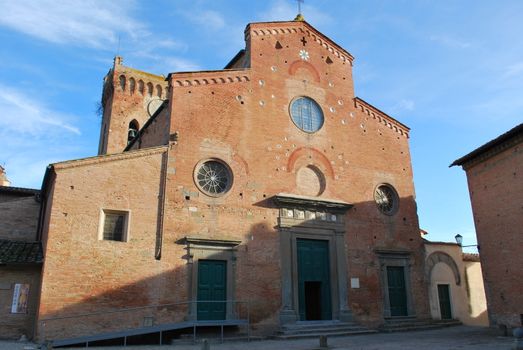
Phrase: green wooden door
(212, 282)
(314, 292)
(444, 301)
(397, 291)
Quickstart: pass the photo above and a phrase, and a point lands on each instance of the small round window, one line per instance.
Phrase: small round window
(306, 114)
(387, 199)
(213, 177)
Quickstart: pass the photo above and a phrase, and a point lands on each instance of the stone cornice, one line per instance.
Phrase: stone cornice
(274, 28)
(209, 241)
(283, 199)
(381, 117)
(203, 78)
(109, 157)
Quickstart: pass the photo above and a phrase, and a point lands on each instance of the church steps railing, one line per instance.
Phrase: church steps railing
(123, 323)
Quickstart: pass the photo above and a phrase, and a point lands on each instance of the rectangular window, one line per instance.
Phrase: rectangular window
(114, 225)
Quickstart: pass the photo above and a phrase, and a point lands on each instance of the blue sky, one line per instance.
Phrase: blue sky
(451, 70)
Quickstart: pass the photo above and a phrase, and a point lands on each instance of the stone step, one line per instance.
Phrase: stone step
(213, 339)
(417, 325)
(323, 329)
(326, 333)
(317, 324)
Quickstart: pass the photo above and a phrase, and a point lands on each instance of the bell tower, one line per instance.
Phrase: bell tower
(130, 97)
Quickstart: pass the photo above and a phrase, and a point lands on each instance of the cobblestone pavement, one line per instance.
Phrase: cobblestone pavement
(454, 338)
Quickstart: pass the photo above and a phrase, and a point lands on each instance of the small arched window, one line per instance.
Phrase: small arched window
(132, 85)
(159, 91)
(140, 87)
(122, 82)
(149, 89)
(133, 130)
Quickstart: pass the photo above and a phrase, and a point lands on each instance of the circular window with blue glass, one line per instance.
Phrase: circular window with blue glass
(306, 114)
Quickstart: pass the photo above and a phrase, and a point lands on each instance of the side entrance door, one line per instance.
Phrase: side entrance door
(314, 292)
(397, 290)
(444, 301)
(212, 283)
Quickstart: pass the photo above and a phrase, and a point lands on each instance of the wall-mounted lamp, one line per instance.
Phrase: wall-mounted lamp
(459, 241)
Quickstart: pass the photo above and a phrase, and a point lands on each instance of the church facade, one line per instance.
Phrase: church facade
(266, 186)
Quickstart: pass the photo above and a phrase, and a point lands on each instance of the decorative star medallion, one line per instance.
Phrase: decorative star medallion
(304, 55)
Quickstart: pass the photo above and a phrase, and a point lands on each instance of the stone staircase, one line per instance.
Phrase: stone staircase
(403, 324)
(313, 329)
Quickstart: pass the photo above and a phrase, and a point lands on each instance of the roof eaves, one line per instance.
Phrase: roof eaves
(392, 119)
(19, 190)
(108, 157)
(515, 133)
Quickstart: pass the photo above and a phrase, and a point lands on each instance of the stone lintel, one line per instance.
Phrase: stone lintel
(208, 242)
(292, 200)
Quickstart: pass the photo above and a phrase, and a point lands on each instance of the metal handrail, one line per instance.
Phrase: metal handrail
(45, 321)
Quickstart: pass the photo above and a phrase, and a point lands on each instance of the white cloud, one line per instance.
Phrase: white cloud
(207, 18)
(173, 64)
(406, 104)
(99, 24)
(25, 116)
(33, 135)
(91, 23)
(450, 41)
(161, 63)
(402, 105)
(514, 70)
(167, 44)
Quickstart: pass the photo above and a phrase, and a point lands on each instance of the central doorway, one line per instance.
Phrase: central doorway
(397, 290)
(314, 290)
(212, 282)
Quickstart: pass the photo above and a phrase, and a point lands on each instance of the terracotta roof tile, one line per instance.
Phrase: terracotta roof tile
(18, 252)
(470, 257)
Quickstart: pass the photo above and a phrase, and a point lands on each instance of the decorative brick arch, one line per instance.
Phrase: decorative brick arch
(306, 65)
(307, 156)
(442, 257)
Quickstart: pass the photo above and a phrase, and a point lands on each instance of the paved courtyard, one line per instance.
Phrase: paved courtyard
(462, 338)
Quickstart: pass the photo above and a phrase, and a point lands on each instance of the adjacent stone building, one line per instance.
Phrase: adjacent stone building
(20, 260)
(266, 185)
(455, 284)
(494, 174)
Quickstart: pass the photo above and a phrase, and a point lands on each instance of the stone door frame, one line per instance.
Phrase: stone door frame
(210, 249)
(399, 259)
(301, 218)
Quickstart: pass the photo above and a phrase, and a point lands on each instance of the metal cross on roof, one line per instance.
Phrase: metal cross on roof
(299, 5)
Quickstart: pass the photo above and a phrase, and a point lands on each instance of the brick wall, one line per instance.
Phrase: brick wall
(19, 218)
(240, 117)
(495, 185)
(83, 273)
